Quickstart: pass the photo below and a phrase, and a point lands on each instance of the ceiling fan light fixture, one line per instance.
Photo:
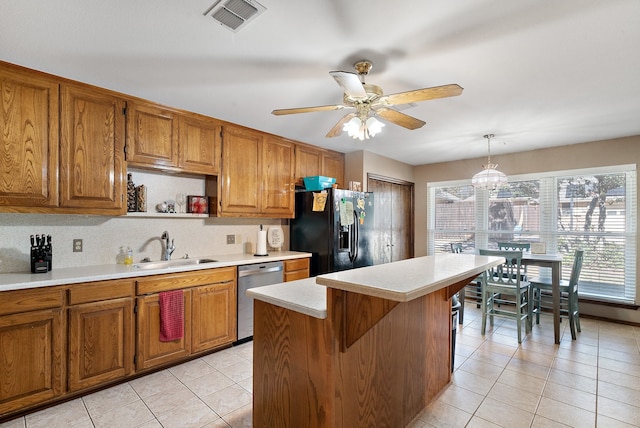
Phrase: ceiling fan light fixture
(489, 177)
(362, 130)
(374, 126)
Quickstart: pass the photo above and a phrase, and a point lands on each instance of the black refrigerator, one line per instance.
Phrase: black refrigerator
(339, 232)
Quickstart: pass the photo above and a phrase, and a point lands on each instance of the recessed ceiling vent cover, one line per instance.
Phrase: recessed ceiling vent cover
(235, 14)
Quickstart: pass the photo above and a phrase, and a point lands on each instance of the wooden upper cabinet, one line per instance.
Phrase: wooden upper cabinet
(29, 138)
(257, 175)
(152, 136)
(308, 162)
(92, 166)
(241, 171)
(277, 177)
(333, 166)
(199, 145)
(312, 161)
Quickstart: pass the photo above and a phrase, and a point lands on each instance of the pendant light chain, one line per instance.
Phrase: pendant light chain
(489, 137)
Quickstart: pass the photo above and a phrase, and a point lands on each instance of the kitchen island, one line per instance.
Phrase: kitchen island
(359, 348)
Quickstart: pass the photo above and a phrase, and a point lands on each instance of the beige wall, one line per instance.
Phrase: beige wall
(620, 151)
(361, 163)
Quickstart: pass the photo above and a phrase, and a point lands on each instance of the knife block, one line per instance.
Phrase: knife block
(41, 260)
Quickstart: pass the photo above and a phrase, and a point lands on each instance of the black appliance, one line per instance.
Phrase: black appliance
(338, 234)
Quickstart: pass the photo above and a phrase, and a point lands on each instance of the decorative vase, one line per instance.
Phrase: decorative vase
(131, 194)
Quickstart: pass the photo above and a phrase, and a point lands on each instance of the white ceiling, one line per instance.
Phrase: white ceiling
(536, 73)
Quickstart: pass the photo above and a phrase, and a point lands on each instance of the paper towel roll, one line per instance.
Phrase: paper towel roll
(261, 245)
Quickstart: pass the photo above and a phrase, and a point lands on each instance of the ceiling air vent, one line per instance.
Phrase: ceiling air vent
(235, 14)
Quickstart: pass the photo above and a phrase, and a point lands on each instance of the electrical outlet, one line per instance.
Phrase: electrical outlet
(231, 239)
(239, 238)
(77, 245)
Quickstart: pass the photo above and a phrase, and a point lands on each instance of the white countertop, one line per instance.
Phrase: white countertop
(409, 279)
(399, 281)
(303, 295)
(64, 276)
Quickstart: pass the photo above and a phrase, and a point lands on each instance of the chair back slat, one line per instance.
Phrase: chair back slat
(514, 246)
(507, 273)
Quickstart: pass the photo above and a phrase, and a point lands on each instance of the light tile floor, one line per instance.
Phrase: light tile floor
(591, 382)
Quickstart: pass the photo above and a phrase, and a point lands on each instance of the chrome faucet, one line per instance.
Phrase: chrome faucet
(168, 246)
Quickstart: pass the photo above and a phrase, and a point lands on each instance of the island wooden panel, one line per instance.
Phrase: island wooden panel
(385, 378)
(293, 359)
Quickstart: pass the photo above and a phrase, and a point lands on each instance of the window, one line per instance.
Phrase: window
(593, 210)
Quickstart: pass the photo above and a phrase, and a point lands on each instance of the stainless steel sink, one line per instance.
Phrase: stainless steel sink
(172, 263)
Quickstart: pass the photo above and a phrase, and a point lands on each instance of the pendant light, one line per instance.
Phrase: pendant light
(489, 177)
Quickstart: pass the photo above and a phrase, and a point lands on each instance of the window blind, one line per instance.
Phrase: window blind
(591, 209)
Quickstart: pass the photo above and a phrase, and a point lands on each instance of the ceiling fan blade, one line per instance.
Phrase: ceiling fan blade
(337, 128)
(421, 95)
(351, 84)
(283, 111)
(401, 119)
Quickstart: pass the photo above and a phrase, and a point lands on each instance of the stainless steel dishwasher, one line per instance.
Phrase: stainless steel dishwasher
(251, 276)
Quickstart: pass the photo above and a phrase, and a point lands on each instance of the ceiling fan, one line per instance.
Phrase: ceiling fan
(369, 101)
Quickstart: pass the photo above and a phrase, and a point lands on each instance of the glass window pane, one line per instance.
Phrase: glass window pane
(592, 203)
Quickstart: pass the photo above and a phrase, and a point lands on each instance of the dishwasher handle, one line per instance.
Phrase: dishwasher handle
(260, 271)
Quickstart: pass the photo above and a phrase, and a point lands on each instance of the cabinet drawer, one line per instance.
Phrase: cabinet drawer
(31, 300)
(174, 281)
(297, 264)
(100, 290)
(295, 275)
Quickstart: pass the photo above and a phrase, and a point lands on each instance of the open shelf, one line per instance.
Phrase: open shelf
(165, 215)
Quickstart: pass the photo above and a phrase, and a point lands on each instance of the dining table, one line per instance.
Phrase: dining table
(553, 261)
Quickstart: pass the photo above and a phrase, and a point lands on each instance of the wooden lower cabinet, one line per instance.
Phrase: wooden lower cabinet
(213, 315)
(296, 269)
(58, 341)
(151, 351)
(101, 333)
(209, 314)
(31, 358)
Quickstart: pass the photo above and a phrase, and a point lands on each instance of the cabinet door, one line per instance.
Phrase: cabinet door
(152, 136)
(308, 163)
(214, 315)
(29, 139)
(31, 358)
(199, 145)
(100, 342)
(333, 166)
(277, 175)
(241, 171)
(151, 351)
(92, 167)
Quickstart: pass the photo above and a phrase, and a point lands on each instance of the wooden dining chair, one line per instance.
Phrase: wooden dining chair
(473, 289)
(514, 246)
(506, 280)
(542, 293)
(456, 247)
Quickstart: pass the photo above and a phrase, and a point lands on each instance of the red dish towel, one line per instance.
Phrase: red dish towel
(171, 315)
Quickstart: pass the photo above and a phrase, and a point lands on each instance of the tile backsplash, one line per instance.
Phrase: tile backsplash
(103, 236)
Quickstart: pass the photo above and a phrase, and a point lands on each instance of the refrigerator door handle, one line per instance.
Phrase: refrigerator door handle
(353, 254)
